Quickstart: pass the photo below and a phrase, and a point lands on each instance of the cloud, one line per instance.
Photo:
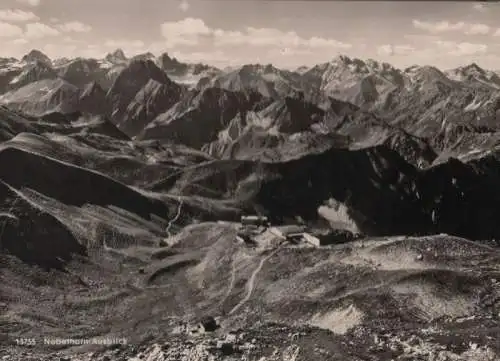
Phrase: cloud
(184, 32)
(190, 31)
(184, 5)
(125, 44)
(20, 41)
(17, 16)
(391, 50)
(273, 37)
(497, 32)
(284, 52)
(39, 30)
(446, 26)
(202, 56)
(91, 51)
(478, 29)
(422, 38)
(480, 7)
(29, 2)
(70, 40)
(438, 27)
(317, 42)
(463, 48)
(256, 37)
(8, 30)
(75, 26)
(59, 50)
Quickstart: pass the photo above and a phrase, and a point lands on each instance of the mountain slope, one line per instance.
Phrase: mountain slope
(267, 80)
(140, 92)
(33, 72)
(475, 75)
(48, 176)
(44, 96)
(182, 73)
(32, 235)
(36, 56)
(198, 117)
(353, 80)
(80, 72)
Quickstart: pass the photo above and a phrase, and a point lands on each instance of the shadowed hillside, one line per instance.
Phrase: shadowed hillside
(51, 177)
(33, 235)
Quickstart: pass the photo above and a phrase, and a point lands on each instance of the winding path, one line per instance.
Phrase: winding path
(251, 281)
(173, 220)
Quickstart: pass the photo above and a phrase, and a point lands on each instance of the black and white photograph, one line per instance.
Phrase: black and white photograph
(249, 180)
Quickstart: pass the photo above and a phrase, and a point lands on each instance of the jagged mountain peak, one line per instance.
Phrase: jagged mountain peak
(164, 56)
(36, 55)
(250, 68)
(80, 63)
(34, 71)
(117, 56)
(411, 68)
(82, 60)
(119, 53)
(257, 68)
(344, 60)
(427, 71)
(341, 63)
(474, 74)
(166, 59)
(428, 77)
(301, 69)
(341, 58)
(269, 68)
(136, 74)
(60, 61)
(380, 66)
(170, 64)
(146, 66)
(356, 65)
(145, 56)
(474, 67)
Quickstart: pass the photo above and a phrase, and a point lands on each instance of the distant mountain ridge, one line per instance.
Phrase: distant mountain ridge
(371, 102)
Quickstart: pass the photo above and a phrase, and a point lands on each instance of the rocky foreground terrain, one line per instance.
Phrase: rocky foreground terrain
(123, 183)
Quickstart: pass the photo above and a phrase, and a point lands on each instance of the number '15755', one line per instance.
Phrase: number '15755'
(25, 341)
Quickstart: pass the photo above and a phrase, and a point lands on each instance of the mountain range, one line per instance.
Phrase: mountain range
(147, 93)
(123, 182)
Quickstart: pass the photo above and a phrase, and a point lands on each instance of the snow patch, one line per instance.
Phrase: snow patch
(337, 214)
(475, 104)
(339, 321)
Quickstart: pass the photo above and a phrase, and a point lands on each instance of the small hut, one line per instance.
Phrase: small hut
(288, 231)
(254, 220)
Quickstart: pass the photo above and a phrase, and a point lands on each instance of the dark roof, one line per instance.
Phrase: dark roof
(290, 229)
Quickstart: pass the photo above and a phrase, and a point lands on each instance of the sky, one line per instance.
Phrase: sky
(287, 34)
